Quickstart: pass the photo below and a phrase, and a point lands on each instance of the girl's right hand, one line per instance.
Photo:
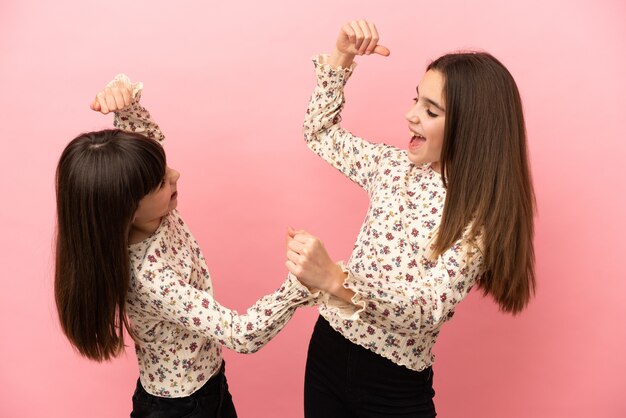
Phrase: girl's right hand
(360, 37)
(112, 98)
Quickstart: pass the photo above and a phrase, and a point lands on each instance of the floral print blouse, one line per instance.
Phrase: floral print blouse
(179, 327)
(402, 295)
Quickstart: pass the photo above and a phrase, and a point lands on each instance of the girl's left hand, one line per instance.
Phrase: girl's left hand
(308, 260)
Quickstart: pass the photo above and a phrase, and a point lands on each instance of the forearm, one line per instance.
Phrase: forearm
(326, 103)
(249, 332)
(134, 117)
(386, 306)
(406, 306)
(340, 59)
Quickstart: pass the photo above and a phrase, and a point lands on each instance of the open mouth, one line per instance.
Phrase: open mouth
(416, 140)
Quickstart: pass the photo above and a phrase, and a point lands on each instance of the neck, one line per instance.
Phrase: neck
(139, 231)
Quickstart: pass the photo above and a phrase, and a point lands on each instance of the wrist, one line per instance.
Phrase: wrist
(334, 285)
(340, 59)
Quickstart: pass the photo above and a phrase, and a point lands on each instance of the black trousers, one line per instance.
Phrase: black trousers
(345, 380)
(212, 400)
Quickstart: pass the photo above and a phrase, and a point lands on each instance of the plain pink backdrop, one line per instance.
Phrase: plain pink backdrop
(228, 82)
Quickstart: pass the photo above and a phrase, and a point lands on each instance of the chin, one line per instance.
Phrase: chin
(416, 159)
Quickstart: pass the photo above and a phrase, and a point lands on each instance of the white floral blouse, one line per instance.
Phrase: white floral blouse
(180, 328)
(402, 296)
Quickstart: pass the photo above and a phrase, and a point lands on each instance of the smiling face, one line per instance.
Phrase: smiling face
(427, 120)
(160, 201)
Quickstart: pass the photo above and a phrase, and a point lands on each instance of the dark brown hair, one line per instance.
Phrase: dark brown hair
(100, 179)
(484, 166)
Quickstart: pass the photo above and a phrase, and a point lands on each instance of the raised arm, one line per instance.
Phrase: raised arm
(122, 96)
(353, 156)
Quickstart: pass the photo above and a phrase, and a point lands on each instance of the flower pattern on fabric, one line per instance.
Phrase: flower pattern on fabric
(402, 295)
(135, 118)
(179, 327)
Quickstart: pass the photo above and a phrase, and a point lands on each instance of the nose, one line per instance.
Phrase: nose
(411, 115)
(174, 175)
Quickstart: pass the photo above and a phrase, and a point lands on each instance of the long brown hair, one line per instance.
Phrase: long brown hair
(484, 164)
(100, 179)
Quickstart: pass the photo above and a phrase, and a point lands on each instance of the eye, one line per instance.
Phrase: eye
(431, 114)
(415, 99)
(162, 183)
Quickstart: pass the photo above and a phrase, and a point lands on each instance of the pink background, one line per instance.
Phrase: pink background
(228, 84)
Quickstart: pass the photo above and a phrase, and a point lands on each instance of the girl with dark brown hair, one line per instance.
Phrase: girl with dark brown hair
(125, 259)
(452, 212)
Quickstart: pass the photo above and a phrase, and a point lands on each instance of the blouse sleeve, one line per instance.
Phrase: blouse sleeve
(412, 304)
(354, 157)
(135, 118)
(179, 302)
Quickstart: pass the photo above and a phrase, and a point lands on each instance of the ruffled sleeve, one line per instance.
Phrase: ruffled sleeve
(135, 118)
(410, 306)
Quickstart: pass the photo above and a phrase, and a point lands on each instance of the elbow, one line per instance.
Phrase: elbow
(433, 319)
(310, 135)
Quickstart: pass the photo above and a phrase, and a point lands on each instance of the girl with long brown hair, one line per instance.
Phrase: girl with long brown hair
(452, 212)
(125, 259)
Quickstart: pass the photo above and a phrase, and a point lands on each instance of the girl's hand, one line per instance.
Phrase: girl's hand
(308, 260)
(360, 37)
(112, 98)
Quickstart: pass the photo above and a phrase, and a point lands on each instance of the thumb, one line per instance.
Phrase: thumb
(293, 232)
(95, 105)
(382, 50)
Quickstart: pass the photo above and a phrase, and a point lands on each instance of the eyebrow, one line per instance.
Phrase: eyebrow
(432, 102)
